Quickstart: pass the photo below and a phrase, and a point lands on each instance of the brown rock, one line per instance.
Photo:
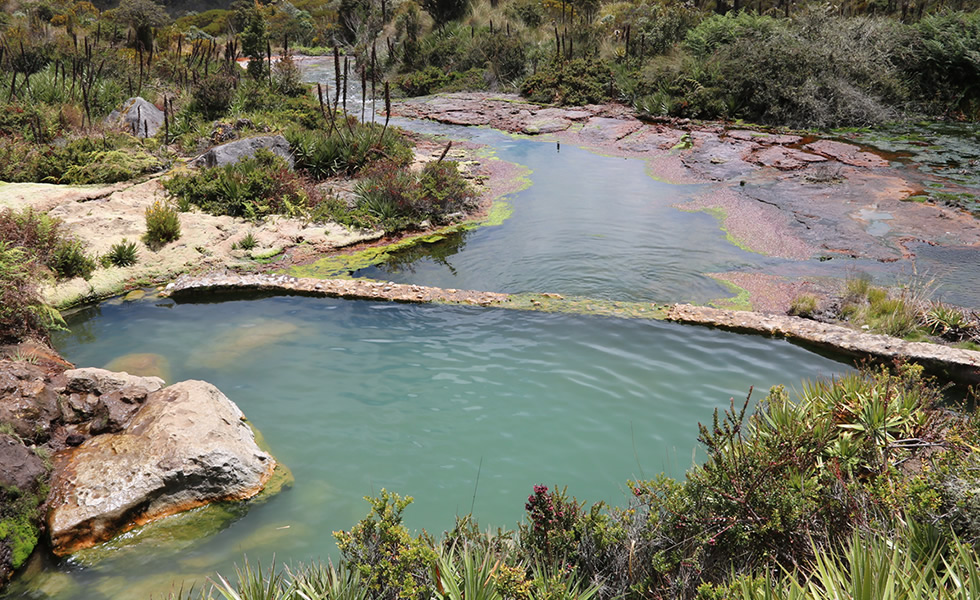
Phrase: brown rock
(187, 446)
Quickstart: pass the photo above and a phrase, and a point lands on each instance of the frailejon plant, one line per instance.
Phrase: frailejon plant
(120, 254)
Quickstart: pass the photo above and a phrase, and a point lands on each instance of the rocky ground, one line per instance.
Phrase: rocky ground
(101, 216)
(783, 195)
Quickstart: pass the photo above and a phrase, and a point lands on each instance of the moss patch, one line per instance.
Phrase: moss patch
(586, 306)
(18, 523)
(740, 301)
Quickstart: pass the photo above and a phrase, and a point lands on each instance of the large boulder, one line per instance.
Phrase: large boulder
(232, 152)
(104, 400)
(137, 116)
(188, 445)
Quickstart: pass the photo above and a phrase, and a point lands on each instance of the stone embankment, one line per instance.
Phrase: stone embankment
(962, 365)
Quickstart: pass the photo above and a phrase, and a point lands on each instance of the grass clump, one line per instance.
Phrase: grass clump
(120, 254)
(248, 242)
(162, 224)
(252, 188)
(804, 305)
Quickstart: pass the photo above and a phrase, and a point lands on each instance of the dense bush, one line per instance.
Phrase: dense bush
(214, 94)
(162, 224)
(29, 241)
(399, 198)
(944, 64)
(574, 82)
(252, 188)
(347, 148)
(84, 160)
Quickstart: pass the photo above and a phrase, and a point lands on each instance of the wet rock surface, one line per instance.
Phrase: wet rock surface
(187, 445)
(964, 365)
(113, 436)
(782, 195)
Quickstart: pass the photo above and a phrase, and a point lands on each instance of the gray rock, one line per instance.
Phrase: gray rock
(188, 445)
(101, 381)
(138, 117)
(232, 152)
(21, 467)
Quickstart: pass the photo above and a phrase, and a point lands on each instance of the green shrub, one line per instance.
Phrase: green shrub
(529, 12)
(423, 82)
(69, 260)
(213, 94)
(943, 62)
(252, 188)
(347, 150)
(162, 224)
(803, 305)
(248, 242)
(391, 563)
(22, 312)
(398, 198)
(577, 82)
(121, 254)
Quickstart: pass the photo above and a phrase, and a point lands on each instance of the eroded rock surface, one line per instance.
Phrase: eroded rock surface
(186, 446)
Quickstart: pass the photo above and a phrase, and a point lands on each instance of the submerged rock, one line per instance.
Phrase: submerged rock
(188, 445)
(144, 364)
(242, 343)
(139, 116)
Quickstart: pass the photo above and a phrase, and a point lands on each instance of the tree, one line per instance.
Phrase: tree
(142, 16)
(444, 11)
(254, 40)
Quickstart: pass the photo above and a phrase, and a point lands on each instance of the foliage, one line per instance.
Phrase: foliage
(162, 224)
(248, 242)
(83, 160)
(19, 512)
(398, 198)
(69, 260)
(252, 188)
(214, 94)
(347, 148)
(550, 535)
(391, 563)
(803, 305)
(576, 82)
(254, 39)
(22, 313)
(444, 11)
(120, 254)
(944, 63)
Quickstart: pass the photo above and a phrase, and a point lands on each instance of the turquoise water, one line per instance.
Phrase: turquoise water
(460, 407)
(588, 225)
